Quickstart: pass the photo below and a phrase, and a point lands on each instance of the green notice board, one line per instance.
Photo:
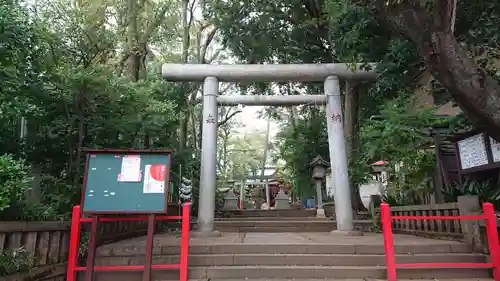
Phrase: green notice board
(126, 181)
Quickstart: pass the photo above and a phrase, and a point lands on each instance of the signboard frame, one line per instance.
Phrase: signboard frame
(165, 194)
(486, 138)
(497, 152)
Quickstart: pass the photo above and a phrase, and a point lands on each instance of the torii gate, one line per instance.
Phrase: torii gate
(211, 75)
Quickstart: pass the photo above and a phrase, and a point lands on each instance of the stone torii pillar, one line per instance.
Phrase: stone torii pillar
(211, 75)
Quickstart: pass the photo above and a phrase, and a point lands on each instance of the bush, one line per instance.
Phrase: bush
(486, 191)
(15, 181)
(16, 260)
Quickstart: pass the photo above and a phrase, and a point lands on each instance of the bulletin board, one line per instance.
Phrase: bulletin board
(126, 181)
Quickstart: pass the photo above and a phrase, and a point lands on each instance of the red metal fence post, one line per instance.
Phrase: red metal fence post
(186, 224)
(390, 260)
(74, 243)
(492, 235)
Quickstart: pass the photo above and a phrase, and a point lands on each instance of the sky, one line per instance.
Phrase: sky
(250, 117)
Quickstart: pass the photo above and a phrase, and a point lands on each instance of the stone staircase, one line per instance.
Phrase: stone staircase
(271, 213)
(279, 221)
(288, 224)
(240, 256)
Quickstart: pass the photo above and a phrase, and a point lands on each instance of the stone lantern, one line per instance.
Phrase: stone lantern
(318, 174)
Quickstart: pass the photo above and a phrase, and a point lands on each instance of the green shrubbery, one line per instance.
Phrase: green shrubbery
(15, 182)
(15, 185)
(16, 260)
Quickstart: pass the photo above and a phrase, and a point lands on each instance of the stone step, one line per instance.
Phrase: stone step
(279, 229)
(271, 213)
(271, 219)
(305, 225)
(314, 272)
(138, 248)
(246, 223)
(294, 259)
(329, 279)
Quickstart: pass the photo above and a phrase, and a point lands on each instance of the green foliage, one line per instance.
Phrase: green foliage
(83, 247)
(67, 85)
(58, 73)
(299, 145)
(292, 32)
(268, 31)
(486, 191)
(399, 136)
(14, 182)
(219, 202)
(16, 260)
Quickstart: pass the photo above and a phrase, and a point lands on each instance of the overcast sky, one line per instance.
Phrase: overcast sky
(250, 117)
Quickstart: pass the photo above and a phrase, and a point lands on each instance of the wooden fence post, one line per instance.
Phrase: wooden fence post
(468, 205)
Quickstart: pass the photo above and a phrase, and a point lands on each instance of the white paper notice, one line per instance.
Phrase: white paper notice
(131, 169)
(472, 152)
(154, 178)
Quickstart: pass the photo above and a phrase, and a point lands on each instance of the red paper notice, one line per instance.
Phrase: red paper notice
(154, 178)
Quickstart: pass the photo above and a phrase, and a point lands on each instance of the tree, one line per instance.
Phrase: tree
(245, 152)
(58, 69)
(370, 31)
(239, 152)
(430, 25)
(279, 32)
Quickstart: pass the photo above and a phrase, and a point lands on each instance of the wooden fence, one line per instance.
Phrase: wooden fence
(467, 231)
(46, 244)
(46, 241)
(435, 228)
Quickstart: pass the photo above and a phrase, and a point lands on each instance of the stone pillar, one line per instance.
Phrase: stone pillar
(242, 196)
(338, 155)
(468, 205)
(268, 195)
(320, 212)
(208, 180)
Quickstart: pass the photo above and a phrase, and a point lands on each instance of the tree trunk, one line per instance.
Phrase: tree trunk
(476, 93)
(351, 130)
(194, 130)
(131, 56)
(184, 115)
(79, 146)
(351, 122)
(183, 127)
(225, 152)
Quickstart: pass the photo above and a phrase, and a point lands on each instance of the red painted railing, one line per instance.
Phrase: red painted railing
(491, 233)
(76, 220)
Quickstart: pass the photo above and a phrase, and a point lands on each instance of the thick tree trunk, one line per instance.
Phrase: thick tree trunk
(351, 122)
(476, 93)
(351, 130)
(183, 127)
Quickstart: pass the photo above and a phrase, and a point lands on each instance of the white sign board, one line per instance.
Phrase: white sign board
(472, 152)
(495, 149)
